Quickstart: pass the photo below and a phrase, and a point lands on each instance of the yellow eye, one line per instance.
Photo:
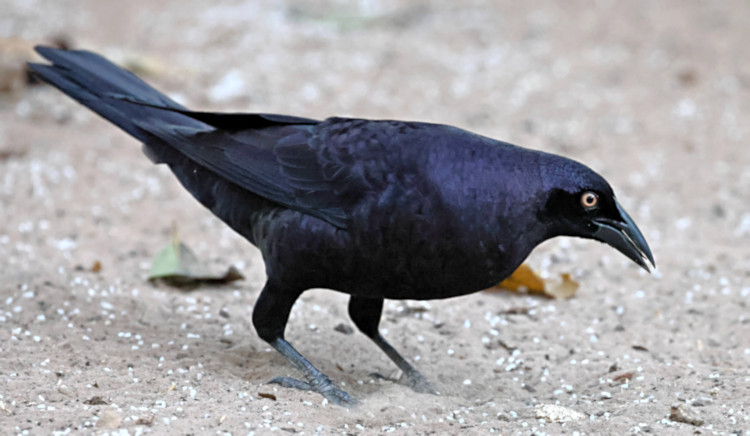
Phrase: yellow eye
(589, 200)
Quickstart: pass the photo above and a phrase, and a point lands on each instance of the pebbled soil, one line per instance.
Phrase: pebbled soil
(653, 95)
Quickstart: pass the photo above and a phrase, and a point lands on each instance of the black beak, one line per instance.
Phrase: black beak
(625, 237)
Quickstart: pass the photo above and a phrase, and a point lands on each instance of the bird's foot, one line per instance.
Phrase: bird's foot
(419, 383)
(324, 387)
(414, 380)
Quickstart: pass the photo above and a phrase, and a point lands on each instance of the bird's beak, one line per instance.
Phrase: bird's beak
(625, 237)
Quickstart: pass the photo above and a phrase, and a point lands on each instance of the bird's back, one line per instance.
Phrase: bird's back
(337, 202)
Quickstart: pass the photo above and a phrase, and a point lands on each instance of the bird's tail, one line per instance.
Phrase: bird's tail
(166, 129)
(112, 92)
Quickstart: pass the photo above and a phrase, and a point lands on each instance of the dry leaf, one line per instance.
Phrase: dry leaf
(524, 279)
(96, 401)
(623, 378)
(178, 266)
(146, 421)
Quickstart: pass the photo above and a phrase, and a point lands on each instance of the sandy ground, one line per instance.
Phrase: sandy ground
(653, 95)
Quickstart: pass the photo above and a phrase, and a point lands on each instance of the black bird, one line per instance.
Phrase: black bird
(373, 208)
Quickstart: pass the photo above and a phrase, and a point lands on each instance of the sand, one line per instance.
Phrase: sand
(653, 95)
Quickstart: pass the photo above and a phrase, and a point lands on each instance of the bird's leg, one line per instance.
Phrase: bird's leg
(270, 316)
(365, 312)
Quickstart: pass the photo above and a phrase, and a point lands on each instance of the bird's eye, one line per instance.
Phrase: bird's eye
(589, 200)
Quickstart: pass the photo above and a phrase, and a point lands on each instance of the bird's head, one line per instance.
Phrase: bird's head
(579, 202)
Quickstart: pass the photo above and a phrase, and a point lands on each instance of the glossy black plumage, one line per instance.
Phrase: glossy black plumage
(375, 209)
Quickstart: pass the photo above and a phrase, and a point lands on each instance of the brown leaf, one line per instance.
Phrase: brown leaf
(265, 395)
(623, 378)
(146, 421)
(95, 401)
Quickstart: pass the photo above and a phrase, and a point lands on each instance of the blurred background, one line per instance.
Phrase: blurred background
(650, 94)
(655, 96)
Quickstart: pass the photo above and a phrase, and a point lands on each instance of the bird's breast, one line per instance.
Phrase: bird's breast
(427, 258)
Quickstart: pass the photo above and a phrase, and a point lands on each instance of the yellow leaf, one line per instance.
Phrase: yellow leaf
(524, 279)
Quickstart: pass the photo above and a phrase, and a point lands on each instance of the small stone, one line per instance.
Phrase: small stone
(65, 390)
(343, 328)
(109, 419)
(683, 413)
(502, 416)
(555, 413)
(702, 402)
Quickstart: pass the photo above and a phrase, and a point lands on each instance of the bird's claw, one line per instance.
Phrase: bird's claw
(291, 382)
(323, 387)
(415, 380)
(419, 383)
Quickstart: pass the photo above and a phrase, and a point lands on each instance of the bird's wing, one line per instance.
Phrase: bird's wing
(295, 162)
(319, 168)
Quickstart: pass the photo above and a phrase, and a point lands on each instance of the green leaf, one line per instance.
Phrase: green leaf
(177, 265)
